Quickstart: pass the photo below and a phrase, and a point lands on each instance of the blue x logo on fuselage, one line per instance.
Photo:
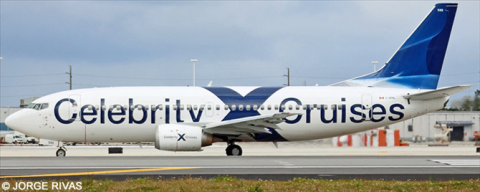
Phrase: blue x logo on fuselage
(230, 97)
(256, 97)
(182, 137)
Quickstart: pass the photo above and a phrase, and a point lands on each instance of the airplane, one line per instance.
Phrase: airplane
(189, 118)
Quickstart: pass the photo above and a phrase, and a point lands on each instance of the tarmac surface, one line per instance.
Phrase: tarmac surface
(260, 161)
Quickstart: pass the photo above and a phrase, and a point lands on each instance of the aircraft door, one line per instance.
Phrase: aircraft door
(209, 109)
(75, 106)
(367, 103)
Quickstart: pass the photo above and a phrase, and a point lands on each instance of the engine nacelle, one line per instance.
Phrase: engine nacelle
(178, 137)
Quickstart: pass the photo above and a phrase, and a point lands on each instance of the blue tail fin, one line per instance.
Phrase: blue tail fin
(418, 62)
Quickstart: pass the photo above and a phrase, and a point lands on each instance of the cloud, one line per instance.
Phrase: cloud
(235, 42)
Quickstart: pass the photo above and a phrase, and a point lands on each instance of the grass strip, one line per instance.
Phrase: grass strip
(232, 184)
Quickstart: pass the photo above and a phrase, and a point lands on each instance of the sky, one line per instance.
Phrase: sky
(237, 43)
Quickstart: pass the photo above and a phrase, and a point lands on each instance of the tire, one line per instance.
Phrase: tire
(234, 150)
(61, 153)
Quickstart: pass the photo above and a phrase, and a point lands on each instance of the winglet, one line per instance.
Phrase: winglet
(276, 144)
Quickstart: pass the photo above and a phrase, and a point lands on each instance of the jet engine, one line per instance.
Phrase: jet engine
(178, 137)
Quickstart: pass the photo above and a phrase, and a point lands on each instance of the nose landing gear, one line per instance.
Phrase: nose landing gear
(61, 152)
(233, 150)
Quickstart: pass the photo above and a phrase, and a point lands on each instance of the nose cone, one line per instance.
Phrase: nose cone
(15, 121)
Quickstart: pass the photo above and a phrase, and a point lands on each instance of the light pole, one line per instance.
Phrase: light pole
(194, 60)
(374, 65)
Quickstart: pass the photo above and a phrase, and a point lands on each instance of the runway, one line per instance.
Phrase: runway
(246, 167)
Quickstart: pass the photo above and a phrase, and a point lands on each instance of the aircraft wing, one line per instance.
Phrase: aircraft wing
(442, 92)
(254, 124)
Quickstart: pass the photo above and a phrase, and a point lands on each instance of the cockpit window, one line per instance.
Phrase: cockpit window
(37, 106)
(44, 106)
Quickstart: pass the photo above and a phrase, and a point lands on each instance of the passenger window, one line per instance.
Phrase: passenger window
(217, 107)
(247, 108)
(145, 107)
(195, 107)
(118, 107)
(334, 106)
(276, 107)
(234, 107)
(340, 107)
(269, 107)
(37, 106)
(45, 105)
(262, 107)
(202, 107)
(174, 107)
(189, 107)
(283, 107)
(209, 107)
(255, 107)
(240, 107)
(304, 107)
(160, 107)
(289, 107)
(226, 107)
(181, 107)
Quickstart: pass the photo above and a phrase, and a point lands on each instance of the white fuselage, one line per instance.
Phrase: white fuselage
(131, 114)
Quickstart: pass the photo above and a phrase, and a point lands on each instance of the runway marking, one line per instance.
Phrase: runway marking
(250, 167)
(100, 172)
(458, 162)
(283, 163)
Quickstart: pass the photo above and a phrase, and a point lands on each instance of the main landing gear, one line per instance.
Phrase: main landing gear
(61, 152)
(233, 150)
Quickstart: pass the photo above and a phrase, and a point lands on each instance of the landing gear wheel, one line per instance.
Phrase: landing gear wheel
(61, 153)
(234, 150)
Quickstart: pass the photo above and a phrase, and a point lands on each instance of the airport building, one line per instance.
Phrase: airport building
(465, 125)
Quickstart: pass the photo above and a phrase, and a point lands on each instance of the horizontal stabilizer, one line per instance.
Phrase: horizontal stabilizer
(442, 92)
